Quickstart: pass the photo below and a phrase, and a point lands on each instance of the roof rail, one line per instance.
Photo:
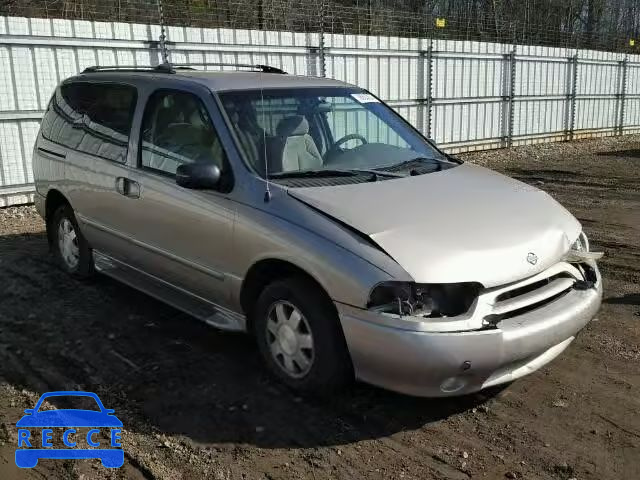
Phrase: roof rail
(162, 68)
(172, 67)
(262, 68)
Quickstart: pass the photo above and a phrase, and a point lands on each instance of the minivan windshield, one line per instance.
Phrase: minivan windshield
(324, 131)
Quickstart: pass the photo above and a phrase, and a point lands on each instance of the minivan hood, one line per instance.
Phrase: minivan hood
(463, 224)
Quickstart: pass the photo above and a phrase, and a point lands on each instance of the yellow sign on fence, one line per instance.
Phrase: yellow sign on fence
(441, 22)
(632, 42)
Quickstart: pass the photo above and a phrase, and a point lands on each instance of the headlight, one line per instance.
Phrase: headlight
(580, 251)
(581, 244)
(425, 300)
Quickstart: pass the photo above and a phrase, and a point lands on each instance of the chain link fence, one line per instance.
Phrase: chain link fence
(527, 22)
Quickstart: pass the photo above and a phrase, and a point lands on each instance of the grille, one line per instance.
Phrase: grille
(533, 287)
(532, 293)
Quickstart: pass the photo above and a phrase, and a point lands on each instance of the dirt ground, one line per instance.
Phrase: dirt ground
(196, 403)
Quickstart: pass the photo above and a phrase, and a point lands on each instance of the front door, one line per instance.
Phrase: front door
(183, 236)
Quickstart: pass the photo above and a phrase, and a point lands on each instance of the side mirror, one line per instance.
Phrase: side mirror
(28, 411)
(198, 175)
(109, 411)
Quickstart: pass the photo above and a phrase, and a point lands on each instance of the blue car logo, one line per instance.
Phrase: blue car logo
(31, 447)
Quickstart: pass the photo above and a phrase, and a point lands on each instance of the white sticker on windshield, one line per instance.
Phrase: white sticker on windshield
(364, 98)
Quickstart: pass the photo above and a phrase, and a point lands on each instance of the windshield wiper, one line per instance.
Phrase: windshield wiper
(377, 172)
(399, 165)
(334, 172)
(320, 172)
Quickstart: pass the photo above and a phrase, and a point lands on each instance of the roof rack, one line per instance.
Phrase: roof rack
(262, 68)
(172, 67)
(162, 68)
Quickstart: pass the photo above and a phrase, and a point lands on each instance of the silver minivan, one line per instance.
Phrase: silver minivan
(307, 212)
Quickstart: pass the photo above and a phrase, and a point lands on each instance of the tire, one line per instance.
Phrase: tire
(315, 336)
(72, 253)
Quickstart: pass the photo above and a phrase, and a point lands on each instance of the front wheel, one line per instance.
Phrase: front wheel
(299, 335)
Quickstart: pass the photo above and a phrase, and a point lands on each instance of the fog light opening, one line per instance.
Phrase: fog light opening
(453, 384)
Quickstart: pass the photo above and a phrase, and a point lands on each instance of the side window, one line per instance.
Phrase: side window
(176, 129)
(62, 122)
(49, 119)
(92, 118)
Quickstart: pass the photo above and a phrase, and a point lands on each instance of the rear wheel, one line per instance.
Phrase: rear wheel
(300, 338)
(69, 246)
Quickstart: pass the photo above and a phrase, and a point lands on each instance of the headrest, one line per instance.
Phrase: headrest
(292, 126)
(188, 134)
(232, 112)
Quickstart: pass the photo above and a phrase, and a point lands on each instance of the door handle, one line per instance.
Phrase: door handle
(128, 188)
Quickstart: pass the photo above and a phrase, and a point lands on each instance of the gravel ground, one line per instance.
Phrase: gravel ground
(196, 403)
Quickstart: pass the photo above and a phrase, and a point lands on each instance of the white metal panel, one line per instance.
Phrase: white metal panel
(633, 79)
(540, 77)
(14, 168)
(595, 113)
(7, 97)
(23, 76)
(632, 113)
(534, 117)
(47, 74)
(598, 78)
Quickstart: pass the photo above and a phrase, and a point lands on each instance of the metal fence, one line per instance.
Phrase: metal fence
(464, 94)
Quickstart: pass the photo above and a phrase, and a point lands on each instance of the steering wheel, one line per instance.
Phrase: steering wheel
(189, 146)
(167, 132)
(352, 136)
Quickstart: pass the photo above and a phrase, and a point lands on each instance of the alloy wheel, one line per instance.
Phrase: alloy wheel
(290, 339)
(68, 243)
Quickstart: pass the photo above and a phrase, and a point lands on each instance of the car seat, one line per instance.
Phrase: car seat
(293, 148)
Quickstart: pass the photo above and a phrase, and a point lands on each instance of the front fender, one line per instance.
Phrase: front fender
(344, 264)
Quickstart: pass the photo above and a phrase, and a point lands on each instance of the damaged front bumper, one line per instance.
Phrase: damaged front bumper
(408, 356)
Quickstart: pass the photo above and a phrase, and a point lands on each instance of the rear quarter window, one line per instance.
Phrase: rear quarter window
(93, 118)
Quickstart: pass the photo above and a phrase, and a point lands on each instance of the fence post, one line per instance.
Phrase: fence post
(508, 94)
(622, 94)
(425, 65)
(512, 93)
(429, 96)
(163, 37)
(422, 91)
(573, 65)
(321, 47)
(313, 60)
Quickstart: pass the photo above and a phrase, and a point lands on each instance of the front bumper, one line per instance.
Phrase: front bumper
(39, 201)
(437, 364)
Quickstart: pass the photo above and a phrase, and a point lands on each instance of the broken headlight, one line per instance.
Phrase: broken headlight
(580, 251)
(424, 300)
(581, 257)
(581, 244)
